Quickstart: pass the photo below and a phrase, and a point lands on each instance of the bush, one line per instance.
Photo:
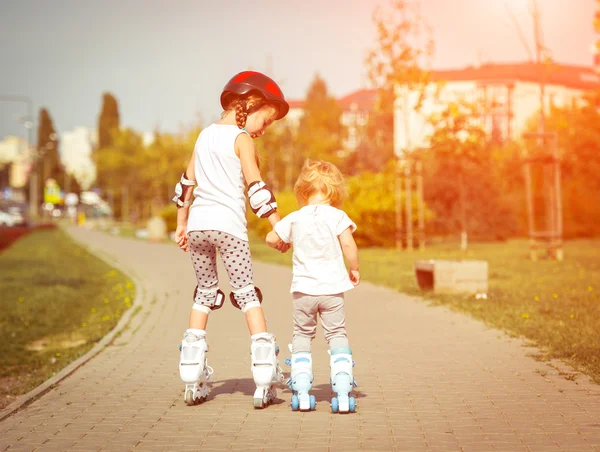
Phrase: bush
(370, 204)
(169, 214)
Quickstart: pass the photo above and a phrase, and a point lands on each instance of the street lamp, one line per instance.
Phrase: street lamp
(29, 126)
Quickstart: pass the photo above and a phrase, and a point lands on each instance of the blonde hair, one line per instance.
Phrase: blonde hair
(245, 104)
(319, 177)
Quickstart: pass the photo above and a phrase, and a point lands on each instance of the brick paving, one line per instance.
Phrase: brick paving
(430, 379)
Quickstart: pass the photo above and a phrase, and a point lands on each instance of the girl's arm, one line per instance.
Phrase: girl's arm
(245, 150)
(182, 212)
(273, 239)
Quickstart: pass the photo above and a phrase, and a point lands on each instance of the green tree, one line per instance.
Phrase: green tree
(376, 147)
(320, 132)
(139, 180)
(578, 132)
(108, 121)
(402, 51)
(460, 181)
(49, 165)
(280, 159)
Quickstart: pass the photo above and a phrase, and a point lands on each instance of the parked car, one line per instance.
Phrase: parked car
(7, 220)
(18, 215)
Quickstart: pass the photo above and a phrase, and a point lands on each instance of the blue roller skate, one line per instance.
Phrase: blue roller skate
(342, 380)
(300, 381)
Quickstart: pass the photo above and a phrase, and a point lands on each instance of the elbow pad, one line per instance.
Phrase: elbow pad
(262, 200)
(181, 189)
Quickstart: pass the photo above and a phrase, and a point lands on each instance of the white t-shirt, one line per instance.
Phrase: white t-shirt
(318, 260)
(220, 199)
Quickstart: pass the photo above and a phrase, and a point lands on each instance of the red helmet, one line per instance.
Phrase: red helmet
(248, 81)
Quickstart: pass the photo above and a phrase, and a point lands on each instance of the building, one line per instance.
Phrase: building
(76, 155)
(15, 164)
(508, 94)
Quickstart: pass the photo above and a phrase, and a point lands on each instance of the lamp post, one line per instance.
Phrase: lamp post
(28, 124)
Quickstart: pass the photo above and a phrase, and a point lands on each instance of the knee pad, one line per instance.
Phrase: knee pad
(215, 297)
(243, 293)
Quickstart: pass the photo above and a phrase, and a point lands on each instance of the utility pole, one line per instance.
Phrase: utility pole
(408, 170)
(419, 171)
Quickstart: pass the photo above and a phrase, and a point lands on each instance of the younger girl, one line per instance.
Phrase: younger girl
(224, 158)
(322, 237)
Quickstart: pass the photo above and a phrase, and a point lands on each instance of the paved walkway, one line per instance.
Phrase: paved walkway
(430, 379)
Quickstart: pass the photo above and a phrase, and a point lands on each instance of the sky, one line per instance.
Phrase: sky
(167, 61)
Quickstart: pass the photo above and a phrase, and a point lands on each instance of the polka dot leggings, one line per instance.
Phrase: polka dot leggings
(235, 254)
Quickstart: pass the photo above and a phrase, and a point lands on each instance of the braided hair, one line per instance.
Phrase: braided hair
(244, 105)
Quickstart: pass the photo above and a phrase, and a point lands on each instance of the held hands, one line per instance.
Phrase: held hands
(181, 238)
(274, 241)
(354, 277)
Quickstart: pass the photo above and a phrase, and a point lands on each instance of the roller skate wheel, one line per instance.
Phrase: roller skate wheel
(189, 397)
(263, 398)
(295, 403)
(352, 404)
(334, 405)
(313, 402)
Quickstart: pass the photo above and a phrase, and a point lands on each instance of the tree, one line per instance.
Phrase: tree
(320, 132)
(578, 131)
(49, 165)
(402, 52)
(403, 45)
(280, 162)
(108, 122)
(376, 147)
(460, 182)
(139, 180)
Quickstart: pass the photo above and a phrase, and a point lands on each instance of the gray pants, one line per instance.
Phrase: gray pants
(333, 320)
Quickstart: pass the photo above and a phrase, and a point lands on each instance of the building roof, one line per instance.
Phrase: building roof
(571, 76)
(364, 99)
(578, 77)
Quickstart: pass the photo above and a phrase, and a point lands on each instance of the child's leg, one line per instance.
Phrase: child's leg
(333, 320)
(238, 263)
(305, 326)
(265, 366)
(193, 367)
(203, 253)
(305, 321)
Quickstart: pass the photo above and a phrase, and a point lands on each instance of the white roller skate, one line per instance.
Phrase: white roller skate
(342, 380)
(265, 368)
(193, 367)
(300, 381)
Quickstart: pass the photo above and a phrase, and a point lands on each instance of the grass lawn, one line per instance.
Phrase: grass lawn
(554, 304)
(57, 301)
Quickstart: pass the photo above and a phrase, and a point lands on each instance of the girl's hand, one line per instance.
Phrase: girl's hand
(354, 277)
(181, 238)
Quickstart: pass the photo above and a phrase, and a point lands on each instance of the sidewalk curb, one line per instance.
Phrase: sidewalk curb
(29, 397)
